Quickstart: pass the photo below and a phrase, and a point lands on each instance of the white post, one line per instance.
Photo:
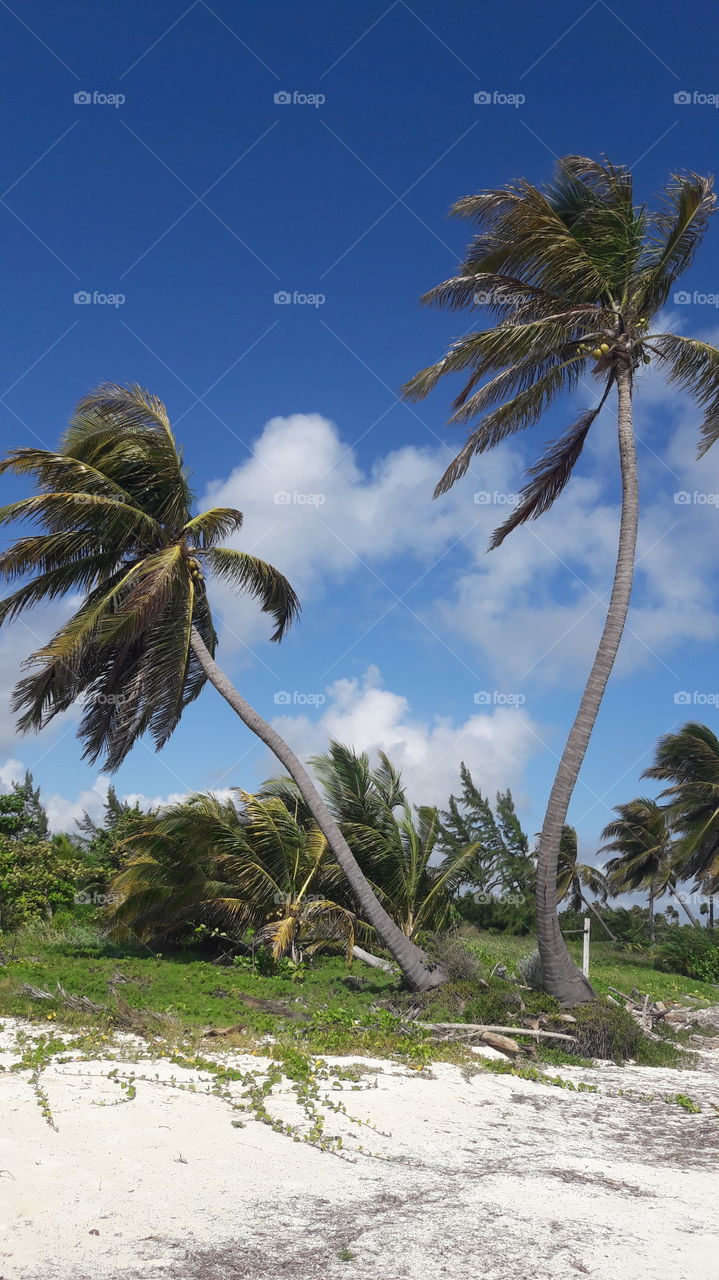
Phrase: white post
(585, 946)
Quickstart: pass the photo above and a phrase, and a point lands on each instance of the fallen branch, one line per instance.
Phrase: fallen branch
(479, 1029)
(375, 961)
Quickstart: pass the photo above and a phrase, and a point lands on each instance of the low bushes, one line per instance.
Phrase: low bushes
(691, 951)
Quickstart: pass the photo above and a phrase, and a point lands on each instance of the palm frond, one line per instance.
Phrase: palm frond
(204, 530)
(549, 476)
(261, 580)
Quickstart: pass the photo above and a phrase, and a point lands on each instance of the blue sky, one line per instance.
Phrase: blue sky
(198, 199)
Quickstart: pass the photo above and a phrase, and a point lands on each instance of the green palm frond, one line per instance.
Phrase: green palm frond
(549, 476)
(676, 233)
(260, 579)
(204, 530)
(693, 365)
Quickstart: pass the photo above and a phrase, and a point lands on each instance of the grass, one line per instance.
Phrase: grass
(609, 966)
(323, 1013)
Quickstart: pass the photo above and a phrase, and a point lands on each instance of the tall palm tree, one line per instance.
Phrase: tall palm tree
(116, 509)
(208, 861)
(573, 877)
(647, 853)
(689, 760)
(573, 273)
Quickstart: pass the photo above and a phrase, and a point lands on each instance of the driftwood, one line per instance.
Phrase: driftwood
(375, 961)
(480, 1029)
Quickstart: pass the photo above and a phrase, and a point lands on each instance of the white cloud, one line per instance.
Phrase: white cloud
(533, 609)
(495, 745)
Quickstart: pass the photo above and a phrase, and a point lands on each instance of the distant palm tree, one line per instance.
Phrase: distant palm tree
(648, 857)
(574, 877)
(574, 273)
(115, 505)
(208, 861)
(689, 760)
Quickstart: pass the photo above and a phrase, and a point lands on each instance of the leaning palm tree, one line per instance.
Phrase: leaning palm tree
(648, 857)
(574, 274)
(689, 761)
(116, 509)
(248, 866)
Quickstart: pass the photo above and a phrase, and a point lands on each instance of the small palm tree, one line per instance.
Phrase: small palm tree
(648, 857)
(393, 843)
(574, 274)
(574, 877)
(689, 760)
(115, 506)
(206, 861)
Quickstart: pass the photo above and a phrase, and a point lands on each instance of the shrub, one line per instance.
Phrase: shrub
(460, 963)
(692, 951)
(606, 1031)
(529, 969)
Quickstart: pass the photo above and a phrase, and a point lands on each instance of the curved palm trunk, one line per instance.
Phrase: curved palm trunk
(413, 962)
(561, 977)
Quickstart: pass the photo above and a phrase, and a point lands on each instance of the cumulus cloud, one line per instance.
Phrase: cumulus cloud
(495, 744)
(532, 610)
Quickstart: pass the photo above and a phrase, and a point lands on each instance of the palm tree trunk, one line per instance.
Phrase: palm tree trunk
(603, 923)
(561, 977)
(416, 969)
(679, 898)
(652, 937)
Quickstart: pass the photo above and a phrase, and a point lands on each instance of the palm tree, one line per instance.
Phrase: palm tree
(648, 857)
(574, 274)
(689, 760)
(574, 877)
(115, 506)
(206, 861)
(393, 844)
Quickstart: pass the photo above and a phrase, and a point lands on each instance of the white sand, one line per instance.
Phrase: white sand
(481, 1178)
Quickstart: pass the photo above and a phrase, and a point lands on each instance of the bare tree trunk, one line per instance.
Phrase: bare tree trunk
(375, 961)
(652, 936)
(561, 976)
(418, 973)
